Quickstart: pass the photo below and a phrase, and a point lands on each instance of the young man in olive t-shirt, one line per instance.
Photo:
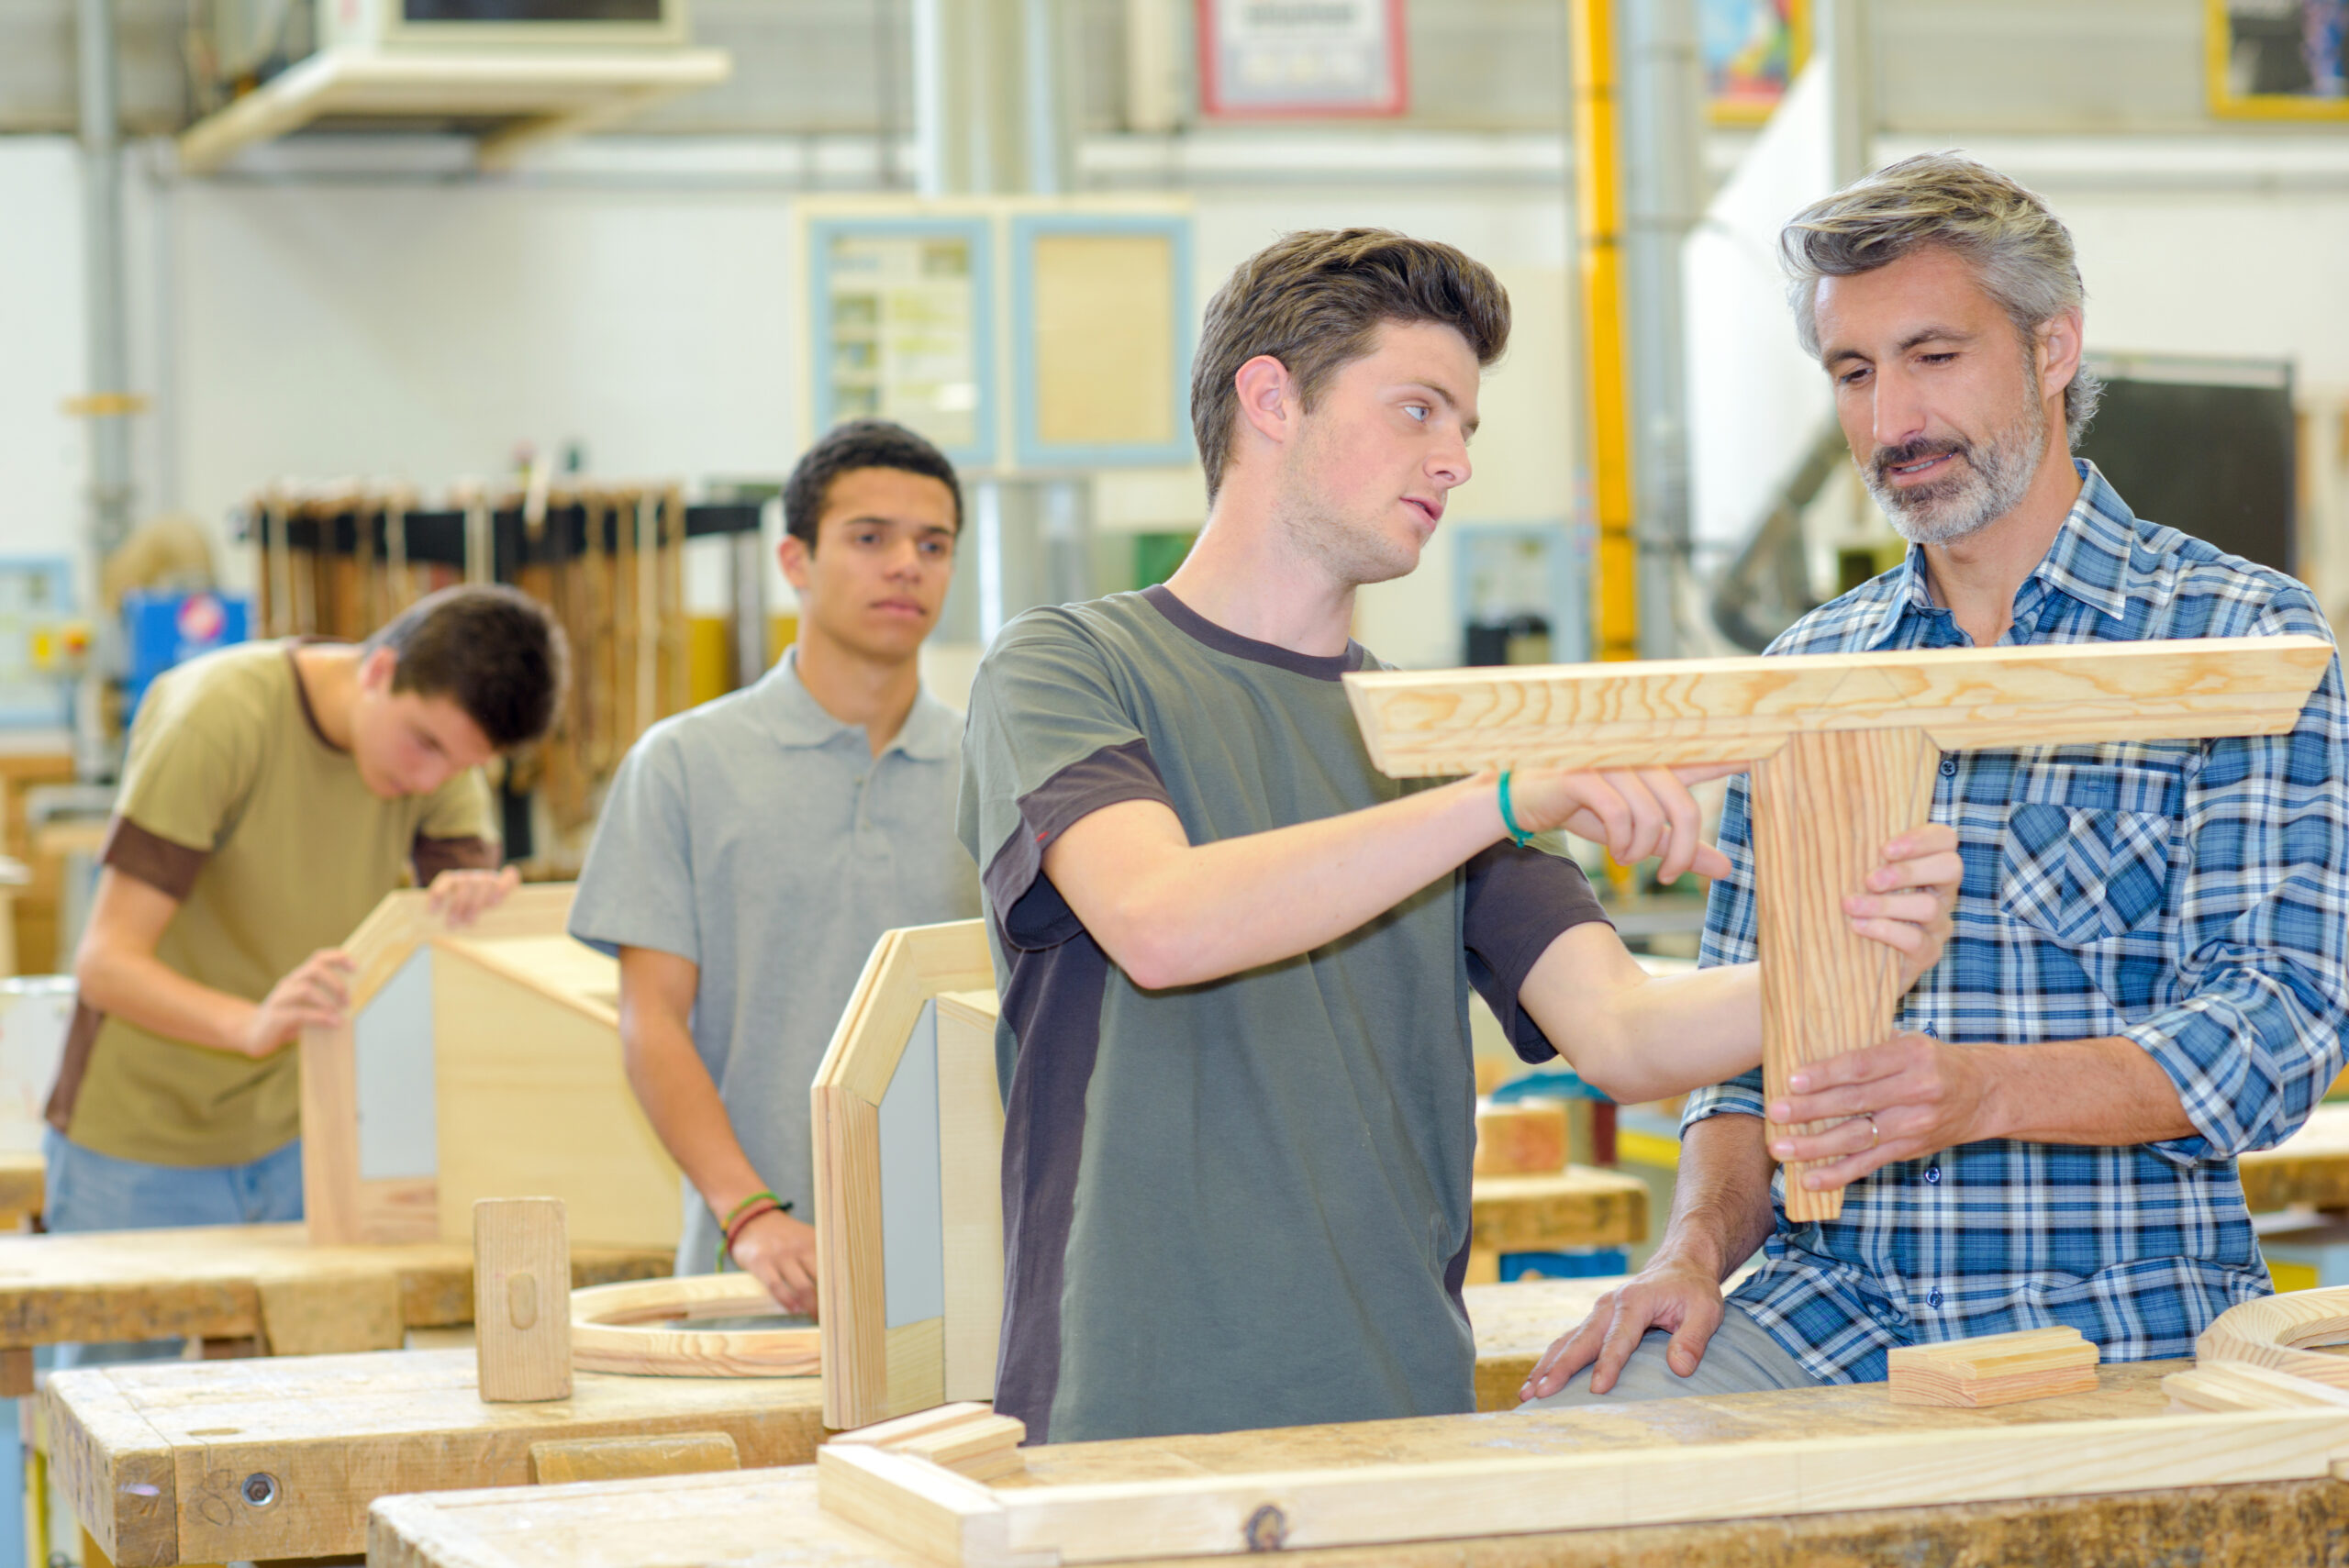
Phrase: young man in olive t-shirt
(273, 793)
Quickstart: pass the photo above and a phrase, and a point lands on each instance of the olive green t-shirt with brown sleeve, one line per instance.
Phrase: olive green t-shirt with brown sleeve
(234, 802)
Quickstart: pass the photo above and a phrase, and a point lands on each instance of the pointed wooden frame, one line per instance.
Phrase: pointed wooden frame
(1844, 746)
(921, 982)
(513, 981)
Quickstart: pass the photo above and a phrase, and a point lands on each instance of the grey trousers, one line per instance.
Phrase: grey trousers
(1742, 1358)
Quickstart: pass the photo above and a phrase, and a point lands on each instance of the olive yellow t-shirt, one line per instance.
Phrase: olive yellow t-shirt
(234, 802)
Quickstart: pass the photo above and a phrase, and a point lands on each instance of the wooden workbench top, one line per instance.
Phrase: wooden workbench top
(2310, 1168)
(1578, 1206)
(266, 1281)
(141, 1446)
(771, 1520)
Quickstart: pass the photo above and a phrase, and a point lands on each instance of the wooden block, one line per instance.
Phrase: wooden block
(522, 1299)
(1527, 1138)
(966, 1437)
(1993, 1369)
(622, 1459)
(1825, 989)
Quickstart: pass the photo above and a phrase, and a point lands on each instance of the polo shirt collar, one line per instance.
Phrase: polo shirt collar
(2088, 561)
(931, 731)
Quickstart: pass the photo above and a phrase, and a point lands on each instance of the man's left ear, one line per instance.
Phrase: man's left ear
(2059, 348)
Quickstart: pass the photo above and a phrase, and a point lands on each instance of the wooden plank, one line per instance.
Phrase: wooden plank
(1825, 989)
(848, 1243)
(2309, 1169)
(1578, 1206)
(1423, 724)
(1522, 1138)
(113, 1466)
(507, 1058)
(557, 966)
(907, 1502)
(224, 1282)
(329, 1099)
(334, 1432)
(521, 1299)
(915, 1357)
(567, 1459)
(770, 1518)
(969, 1160)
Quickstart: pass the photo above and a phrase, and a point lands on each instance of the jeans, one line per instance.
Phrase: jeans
(90, 1191)
(1742, 1359)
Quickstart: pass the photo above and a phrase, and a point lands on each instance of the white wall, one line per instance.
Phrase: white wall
(317, 328)
(43, 450)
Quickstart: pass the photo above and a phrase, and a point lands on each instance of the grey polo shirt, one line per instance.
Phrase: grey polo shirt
(759, 837)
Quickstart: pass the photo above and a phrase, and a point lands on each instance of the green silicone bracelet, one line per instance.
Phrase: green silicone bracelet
(1508, 817)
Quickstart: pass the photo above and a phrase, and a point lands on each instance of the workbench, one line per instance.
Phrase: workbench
(1578, 1206)
(2310, 1169)
(263, 1285)
(771, 1520)
(171, 1445)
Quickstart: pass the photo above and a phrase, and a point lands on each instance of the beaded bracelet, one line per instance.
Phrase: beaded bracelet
(1508, 817)
(738, 1218)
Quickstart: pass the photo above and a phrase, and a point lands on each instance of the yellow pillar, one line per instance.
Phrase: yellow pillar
(1599, 221)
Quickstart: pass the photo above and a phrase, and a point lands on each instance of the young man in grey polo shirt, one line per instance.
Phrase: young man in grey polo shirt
(752, 851)
(1235, 960)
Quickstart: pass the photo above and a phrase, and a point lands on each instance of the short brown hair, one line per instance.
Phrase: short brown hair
(494, 652)
(1314, 300)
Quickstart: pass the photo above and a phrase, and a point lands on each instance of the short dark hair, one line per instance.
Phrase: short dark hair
(1314, 300)
(494, 652)
(860, 443)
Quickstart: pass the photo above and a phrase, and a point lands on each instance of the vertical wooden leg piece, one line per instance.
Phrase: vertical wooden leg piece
(1823, 809)
(522, 1298)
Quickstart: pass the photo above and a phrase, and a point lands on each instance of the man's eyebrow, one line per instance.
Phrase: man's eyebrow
(1935, 335)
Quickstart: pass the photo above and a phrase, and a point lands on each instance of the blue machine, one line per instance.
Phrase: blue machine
(159, 631)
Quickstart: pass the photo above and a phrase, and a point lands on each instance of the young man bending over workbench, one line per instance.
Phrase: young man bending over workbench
(273, 794)
(1235, 960)
(754, 851)
(2150, 973)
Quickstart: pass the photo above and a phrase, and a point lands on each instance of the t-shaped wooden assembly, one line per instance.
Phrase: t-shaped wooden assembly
(1843, 747)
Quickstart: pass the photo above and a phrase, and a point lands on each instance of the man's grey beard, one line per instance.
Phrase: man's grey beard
(1985, 483)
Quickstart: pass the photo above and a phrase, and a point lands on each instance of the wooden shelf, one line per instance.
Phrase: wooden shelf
(539, 96)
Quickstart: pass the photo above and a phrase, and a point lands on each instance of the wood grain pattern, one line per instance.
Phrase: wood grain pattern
(564, 1460)
(162, 1448)
(914, 1361)
(2280, 1332)
(966, 1437)
(1521, 1137)
(331, 1207)
(531, 1099)
(1993, 1369)
(1826, 990)
(2239, 1385)
(1425, 724)
(623, 1328)
(908, 969)
(521, 1299)
(970, 1165)
(232, 1280)
(851, 1315)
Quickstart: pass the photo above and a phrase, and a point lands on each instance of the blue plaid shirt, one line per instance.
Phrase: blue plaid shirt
(2191, 897)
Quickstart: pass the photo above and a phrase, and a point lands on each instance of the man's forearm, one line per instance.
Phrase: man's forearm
(683, 1105)
(1637, 1037)
(141, 989)
(1202, 912)
(1721, 1194)
(2104, 1093)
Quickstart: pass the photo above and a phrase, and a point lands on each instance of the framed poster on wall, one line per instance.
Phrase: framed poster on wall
(902, 327)
(1302, 59)
(1101, 333)
(1753, 49)
(2278, 59)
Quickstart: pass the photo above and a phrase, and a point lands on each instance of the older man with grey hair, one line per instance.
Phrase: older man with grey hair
(2148, 974)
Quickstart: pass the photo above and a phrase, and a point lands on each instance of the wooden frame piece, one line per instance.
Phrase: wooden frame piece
(493, 1072)
(2277, 1332)
(623, 1327)
(1860, 731)
(949, 1518)
(909, 1172)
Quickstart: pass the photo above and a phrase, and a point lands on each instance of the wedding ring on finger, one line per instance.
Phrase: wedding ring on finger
(1876, 1133)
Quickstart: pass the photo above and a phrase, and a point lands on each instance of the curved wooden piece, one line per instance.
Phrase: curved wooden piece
(624, 1327)
(2276, 1333)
